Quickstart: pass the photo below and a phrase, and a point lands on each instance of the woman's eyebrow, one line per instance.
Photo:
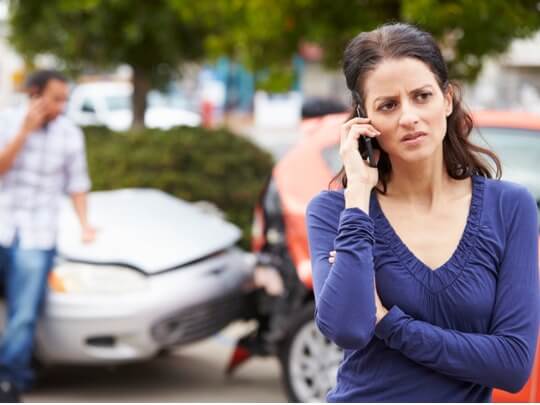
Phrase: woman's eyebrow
(424, 87)
(382, 98)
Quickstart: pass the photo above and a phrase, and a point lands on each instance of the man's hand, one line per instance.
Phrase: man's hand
(88, 234)
(34, 120)
(35, 116)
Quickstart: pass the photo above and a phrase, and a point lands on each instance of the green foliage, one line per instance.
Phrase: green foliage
(148, 35)
(191, 163)
(158, 35)
(261, 33)
(258, 33)
(471, 29)
(278, 79)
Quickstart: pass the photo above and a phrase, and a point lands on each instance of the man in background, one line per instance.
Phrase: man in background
(42, 157)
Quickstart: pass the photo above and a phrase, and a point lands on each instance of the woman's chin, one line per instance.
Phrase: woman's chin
(417, 156)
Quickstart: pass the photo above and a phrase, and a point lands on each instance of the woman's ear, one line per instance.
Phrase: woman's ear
(448, 100)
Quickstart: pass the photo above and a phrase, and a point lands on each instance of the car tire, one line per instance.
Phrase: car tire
(308, 360)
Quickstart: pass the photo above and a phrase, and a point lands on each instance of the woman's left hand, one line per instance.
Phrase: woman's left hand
(381, 311)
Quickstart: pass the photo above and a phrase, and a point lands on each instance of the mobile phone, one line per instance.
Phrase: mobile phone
(366, 144)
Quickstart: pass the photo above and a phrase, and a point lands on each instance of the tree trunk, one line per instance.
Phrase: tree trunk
(141, 87)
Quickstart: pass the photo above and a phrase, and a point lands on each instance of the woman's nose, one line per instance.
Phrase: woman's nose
(409, 117)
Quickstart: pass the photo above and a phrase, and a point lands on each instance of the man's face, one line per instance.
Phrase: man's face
(55, 96)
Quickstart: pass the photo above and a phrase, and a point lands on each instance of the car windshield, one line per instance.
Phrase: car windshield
(518, 149)
(519, 152)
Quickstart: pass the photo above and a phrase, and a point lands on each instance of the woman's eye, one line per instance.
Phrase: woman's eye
(387, 106)
(423, 96)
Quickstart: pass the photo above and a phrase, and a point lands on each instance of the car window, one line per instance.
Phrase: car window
(118, 102)
(88, 107)
(519, 151)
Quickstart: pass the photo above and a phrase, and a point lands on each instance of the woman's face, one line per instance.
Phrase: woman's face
(406, 104)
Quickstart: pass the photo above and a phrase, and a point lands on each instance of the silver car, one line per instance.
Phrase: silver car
(162, 272)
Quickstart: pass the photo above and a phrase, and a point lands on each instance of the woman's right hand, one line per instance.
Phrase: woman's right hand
(356, 168)
(361, 178)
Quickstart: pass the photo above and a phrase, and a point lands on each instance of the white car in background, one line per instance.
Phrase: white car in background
(109, 104)
(161, 273)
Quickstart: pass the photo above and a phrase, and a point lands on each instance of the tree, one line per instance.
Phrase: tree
(156, 37)
(150, 36)
(467, 30)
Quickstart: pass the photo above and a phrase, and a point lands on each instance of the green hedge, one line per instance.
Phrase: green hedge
(191, 163)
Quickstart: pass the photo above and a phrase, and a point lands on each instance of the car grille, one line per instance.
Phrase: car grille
(199, 321)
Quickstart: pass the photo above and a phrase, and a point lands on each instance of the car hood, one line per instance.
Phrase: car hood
(144, 228)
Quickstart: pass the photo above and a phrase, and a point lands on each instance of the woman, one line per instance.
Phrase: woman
(425, 268)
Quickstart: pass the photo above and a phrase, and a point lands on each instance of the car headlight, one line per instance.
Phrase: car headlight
(68, 277)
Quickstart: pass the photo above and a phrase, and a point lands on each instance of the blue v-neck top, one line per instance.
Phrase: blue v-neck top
(451, 333)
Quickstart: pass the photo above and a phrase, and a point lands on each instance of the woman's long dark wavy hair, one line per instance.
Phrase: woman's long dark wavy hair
(367, 50)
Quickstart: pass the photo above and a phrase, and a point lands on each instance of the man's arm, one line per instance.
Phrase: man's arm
(80, 204)
(77, 183)
(34, 119)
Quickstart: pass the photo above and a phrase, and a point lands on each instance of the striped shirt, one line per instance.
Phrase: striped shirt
(52, 162)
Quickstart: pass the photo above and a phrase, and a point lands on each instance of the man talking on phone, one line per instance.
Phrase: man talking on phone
(42, 157)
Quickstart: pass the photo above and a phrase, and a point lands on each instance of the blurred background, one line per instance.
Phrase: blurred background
(201, 100)
(223, 60)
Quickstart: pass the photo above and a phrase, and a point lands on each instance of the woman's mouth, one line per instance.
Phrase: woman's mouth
(413, 138)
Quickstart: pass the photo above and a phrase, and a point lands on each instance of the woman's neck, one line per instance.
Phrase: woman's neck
(423, 184)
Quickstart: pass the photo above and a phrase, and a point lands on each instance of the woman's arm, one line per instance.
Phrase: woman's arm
(344, 292)
(504, 357)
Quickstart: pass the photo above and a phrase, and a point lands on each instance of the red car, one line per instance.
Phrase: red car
(286, 327)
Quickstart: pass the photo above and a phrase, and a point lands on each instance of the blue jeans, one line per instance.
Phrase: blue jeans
(23, 275)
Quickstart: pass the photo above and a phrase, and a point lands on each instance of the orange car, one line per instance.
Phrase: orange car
(286, 327)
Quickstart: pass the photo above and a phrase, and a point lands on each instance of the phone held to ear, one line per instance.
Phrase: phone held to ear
(366, 144)
(34, 95)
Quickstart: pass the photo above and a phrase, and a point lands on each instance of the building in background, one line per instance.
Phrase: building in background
(511, 80)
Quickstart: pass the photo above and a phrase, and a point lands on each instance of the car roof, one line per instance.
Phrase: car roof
(506, 119)
(96, 87)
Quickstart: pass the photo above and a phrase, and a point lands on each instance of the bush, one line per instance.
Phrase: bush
(190, 163)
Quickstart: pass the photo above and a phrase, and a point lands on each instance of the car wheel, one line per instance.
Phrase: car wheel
(309, 361)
